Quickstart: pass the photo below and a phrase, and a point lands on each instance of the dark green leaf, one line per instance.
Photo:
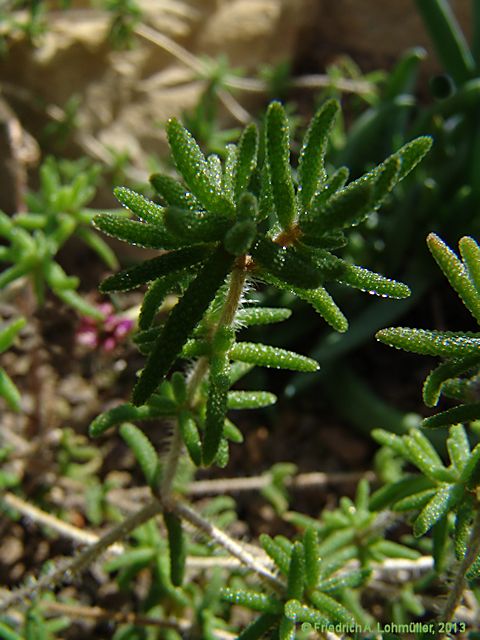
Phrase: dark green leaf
(311, 166)
(164, 265)
(182, 320)
(278, 157)
(136, 233)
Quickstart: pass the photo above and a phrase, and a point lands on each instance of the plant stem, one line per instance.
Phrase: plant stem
(237, 282)
(456, 593)
(68, 570)
(232, 546)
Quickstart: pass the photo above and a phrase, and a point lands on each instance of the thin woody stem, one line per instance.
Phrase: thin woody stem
(237, 282)
(69, 569)
(232, 546)
(456, 593)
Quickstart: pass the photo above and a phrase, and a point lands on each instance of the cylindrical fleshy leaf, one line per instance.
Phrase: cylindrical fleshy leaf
(278, 158)
(471, 257)
(311, 165)
(458, 446)
(250, 399)
(218, 385)
(196, 226)
(447, 344)
(253, 600)
(246, 160)
(142, 450)
(240, 237)
(261, 315)
(126, 412)
(287, 264)
(177, 547)
(432, 386)
(190, 436)
(438, 506)
(149, 270)
(138, 233)
(191, 163)
(174, 193)
(142, 207)
(266, 356)
(456, 274)
(184, 317)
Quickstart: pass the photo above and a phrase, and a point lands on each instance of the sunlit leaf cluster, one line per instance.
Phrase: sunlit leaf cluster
(458, 375)
(443, 497)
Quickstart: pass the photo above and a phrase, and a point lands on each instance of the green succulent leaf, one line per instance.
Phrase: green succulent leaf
(192, 165)
(246, 160)
(259, 627)
(458, 446)
(143, 451)
(180, 323)
(143, 234)
(278, 158)
(240, 237)
(374, 283)
(447, 344)
(297, 612)
(127, 412)
(252, 600)
(250, 399)
(432, 387)
(465, 413)
(311, 165)
(261, 315)
(9, 392)
(164, 265)
(142, 207)
(218, 385)
(345, 208)
(190, 436)
(274, 357)
(174, 193)
(177, 546)
(9, 332)
(456, 274)
(438, 506)
(411, 154)
(334, 610)
(470, 252)
(312, 560)
(296, 573)
(286, 264)
(156, 293)
(276, 552)
(195, 226)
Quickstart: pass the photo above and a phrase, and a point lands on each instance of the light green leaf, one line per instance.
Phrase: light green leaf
(438, 506)
(250, 399)
(137, 233)
(274, 357)
(143, 451)
(456, 274)
(142, 207)
(447, 344)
